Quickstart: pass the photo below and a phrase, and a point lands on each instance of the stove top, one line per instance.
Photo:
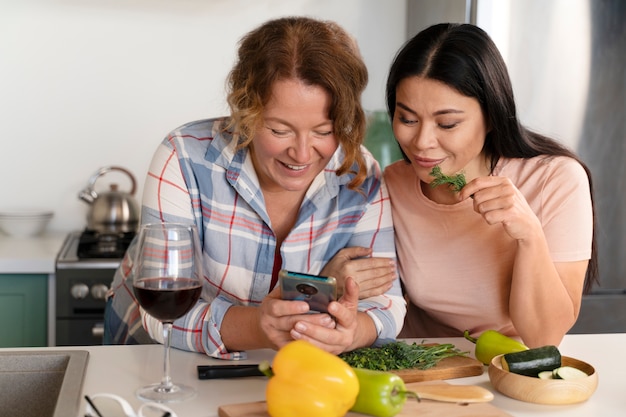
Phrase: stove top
(86, 249)
(93, 244)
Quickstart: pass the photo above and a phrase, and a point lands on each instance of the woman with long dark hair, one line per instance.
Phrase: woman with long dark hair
(506, 241)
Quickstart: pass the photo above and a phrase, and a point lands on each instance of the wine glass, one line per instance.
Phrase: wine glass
(167, 283)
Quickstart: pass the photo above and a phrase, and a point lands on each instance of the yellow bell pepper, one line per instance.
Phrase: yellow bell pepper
(310, 382)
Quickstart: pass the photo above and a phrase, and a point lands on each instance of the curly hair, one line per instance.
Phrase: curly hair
(318, 53)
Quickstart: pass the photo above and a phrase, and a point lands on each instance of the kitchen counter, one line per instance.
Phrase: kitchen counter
(122, 369)
(33, 255)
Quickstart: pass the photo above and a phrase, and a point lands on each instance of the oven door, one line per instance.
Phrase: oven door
(80, 304)
(79, 332)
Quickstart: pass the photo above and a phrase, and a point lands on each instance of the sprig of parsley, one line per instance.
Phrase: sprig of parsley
(400, 355)
(457, 182)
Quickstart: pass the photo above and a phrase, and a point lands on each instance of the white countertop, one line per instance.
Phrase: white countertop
(34, 255)
(122, 369)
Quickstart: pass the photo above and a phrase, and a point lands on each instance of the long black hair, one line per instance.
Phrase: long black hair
(464, 57)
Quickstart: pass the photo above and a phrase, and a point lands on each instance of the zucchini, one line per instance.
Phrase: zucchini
(532, 361)
(568, 372)
(546, 374)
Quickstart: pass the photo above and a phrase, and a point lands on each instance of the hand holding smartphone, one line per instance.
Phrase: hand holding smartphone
(317, 291)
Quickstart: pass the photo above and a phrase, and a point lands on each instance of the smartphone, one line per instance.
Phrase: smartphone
(317, 291)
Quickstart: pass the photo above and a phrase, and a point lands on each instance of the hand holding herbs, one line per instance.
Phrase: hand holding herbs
(399, 355)
(456, 182)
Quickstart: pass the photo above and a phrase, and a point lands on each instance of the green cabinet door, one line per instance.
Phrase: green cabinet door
(23, 310)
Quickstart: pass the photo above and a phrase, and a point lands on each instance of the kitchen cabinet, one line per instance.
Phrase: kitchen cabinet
(23, 310)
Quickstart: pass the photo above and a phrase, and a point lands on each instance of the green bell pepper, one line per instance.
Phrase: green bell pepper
(492, 343)
(381, 394)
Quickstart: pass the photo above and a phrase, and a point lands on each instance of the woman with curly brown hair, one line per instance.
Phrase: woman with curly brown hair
(282, 183)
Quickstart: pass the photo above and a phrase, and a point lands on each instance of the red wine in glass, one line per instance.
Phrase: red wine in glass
(167, 299)
(167, 282)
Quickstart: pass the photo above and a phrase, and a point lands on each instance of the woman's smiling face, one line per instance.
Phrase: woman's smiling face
(436, 125)
(295, 140)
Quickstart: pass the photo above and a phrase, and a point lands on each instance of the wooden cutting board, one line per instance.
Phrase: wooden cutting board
(425, 408)
(448, 368)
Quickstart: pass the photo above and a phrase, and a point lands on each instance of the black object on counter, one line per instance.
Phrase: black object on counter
(227, 371)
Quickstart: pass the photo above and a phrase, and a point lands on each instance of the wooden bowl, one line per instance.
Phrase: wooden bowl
(544, 391)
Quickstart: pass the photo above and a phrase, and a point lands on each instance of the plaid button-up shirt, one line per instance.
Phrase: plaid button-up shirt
(197, 176)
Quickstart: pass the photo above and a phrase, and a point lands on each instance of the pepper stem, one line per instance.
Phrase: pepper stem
(410, 394)
(468, 337)
(266, 369)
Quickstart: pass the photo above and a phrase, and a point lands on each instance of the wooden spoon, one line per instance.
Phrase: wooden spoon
(451, 393)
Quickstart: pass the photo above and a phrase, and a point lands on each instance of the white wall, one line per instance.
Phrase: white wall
(91, 83)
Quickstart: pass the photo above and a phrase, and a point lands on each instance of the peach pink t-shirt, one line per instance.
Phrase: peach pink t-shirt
(456, 269)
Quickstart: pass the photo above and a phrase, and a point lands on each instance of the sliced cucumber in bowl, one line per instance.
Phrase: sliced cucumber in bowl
(568, 372)
(546, 375)
(562, 372)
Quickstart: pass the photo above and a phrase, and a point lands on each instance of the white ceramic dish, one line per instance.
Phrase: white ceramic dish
(25, 223)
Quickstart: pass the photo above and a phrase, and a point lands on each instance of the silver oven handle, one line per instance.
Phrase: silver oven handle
(98, 330)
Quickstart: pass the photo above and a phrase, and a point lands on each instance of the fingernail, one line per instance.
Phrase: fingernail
(301, 327)
(332, 308)
(302, 307)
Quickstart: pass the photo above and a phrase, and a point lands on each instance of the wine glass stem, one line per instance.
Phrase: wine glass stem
(166, 382)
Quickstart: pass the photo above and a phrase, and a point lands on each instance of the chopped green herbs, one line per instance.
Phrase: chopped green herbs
(457, 182)
(400, 355)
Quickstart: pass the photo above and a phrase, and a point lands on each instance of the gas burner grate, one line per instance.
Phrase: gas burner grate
(92, 244)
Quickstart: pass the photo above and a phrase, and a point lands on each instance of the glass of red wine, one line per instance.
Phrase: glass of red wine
(167, 283)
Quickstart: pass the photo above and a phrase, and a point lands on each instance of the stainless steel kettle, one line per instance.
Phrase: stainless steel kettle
(113, 211)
